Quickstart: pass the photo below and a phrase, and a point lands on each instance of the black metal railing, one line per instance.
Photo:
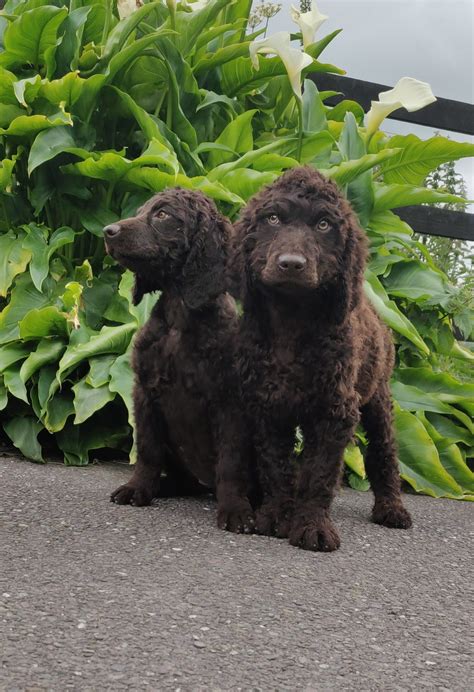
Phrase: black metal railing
(443, 114)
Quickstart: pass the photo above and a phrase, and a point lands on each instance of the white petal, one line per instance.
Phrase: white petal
(126, 7)
(294, 59)
(411, 93)
(408, 93)
(308, 22)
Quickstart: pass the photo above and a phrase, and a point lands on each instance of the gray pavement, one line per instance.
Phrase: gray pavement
(101, 597)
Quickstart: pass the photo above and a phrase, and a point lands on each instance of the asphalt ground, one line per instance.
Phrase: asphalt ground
(102, 597)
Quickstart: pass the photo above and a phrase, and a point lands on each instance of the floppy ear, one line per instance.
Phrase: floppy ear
(349, 285)
(141, 286)
(204, 274)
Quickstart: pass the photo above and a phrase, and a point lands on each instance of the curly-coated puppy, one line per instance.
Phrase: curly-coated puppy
(187, 420)
(314, 354)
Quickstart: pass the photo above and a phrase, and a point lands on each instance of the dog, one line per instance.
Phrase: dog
(313, 353)
(187, 419)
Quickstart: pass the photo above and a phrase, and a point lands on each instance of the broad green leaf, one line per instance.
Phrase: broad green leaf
(88, 399)
(109, 340)
(441, 384)
(23, 432)
(246, 182)
(347, 171)
(12, 353)
(41, 322)
(452, 459)
(238, 136)
(390, 313)
(68, 51)
(26, 90)
(209, 61)
(76, 441)
(418, 157)
(99, 372)
(420, 464)
(29, 125)
(391, 196)
(48, 351)
(42, 248)
(27, 39)
(354, 460)
(314, 114)
(449, 430)
(3, 395)
(413, 280)
(6, 174)
(14, 259)
(14, 383)
(414, 399)
(57, 411)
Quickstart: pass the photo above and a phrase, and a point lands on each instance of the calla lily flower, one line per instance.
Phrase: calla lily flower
(126, 7)
(294, 59)
(407, 93)
(308, 22)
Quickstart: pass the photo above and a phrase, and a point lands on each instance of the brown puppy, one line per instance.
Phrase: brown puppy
(187, 420)
(312, 353)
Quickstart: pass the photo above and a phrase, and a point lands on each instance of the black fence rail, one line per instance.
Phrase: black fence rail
(443, 114)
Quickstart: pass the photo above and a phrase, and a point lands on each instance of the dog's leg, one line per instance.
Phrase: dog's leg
(150, 435)
(324, 444)
(274, 444)
(381, 461)
(233, 477)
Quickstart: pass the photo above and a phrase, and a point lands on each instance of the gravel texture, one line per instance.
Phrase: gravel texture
(101, 597)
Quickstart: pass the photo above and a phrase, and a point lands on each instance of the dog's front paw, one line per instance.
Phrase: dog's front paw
(316, 534)
(274, 518)
(391, 513)
(132, 494)
(236, 515)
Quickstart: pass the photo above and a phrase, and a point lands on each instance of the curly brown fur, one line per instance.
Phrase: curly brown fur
(312, 353)
(185, 385)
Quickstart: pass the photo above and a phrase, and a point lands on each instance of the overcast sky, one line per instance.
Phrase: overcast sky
(383, 40)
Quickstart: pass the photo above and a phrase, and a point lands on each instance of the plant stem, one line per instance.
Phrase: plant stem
(299, 105)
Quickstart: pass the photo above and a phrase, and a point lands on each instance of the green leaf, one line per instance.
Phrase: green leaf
(414, 280)
(88, 400)
(418, 157)
(354, 460)
(23, 432)
(97, 432)
(67, 53)
(41, 251)
(27, 39)
(449, 431)
(29, 125)
(420, 464)
(109, 340)
(48, 351)
(41, 322)
(314, 113)
(347, 171)
(391, 196)
(238, 136)
(12, 353)
(99, 372)
(390, 313)
(14, 384)
(14, 259)
(57, 411)
(443, 385)
(246, 182)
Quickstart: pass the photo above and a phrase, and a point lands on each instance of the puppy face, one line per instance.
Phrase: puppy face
(297, 231)
(156, 241)
(177, 241)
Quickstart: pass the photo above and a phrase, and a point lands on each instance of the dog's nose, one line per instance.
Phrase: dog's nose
(291, 262)
(112, 230)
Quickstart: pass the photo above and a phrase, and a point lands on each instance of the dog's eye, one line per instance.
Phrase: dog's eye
(161, 214)
(273, 219)
(323, 225)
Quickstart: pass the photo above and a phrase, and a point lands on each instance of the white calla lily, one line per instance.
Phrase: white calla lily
(308, 22)
(407, 93)
(126, 7)
(294, 59)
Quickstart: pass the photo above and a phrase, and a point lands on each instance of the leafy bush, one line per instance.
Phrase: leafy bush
(97, 113)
